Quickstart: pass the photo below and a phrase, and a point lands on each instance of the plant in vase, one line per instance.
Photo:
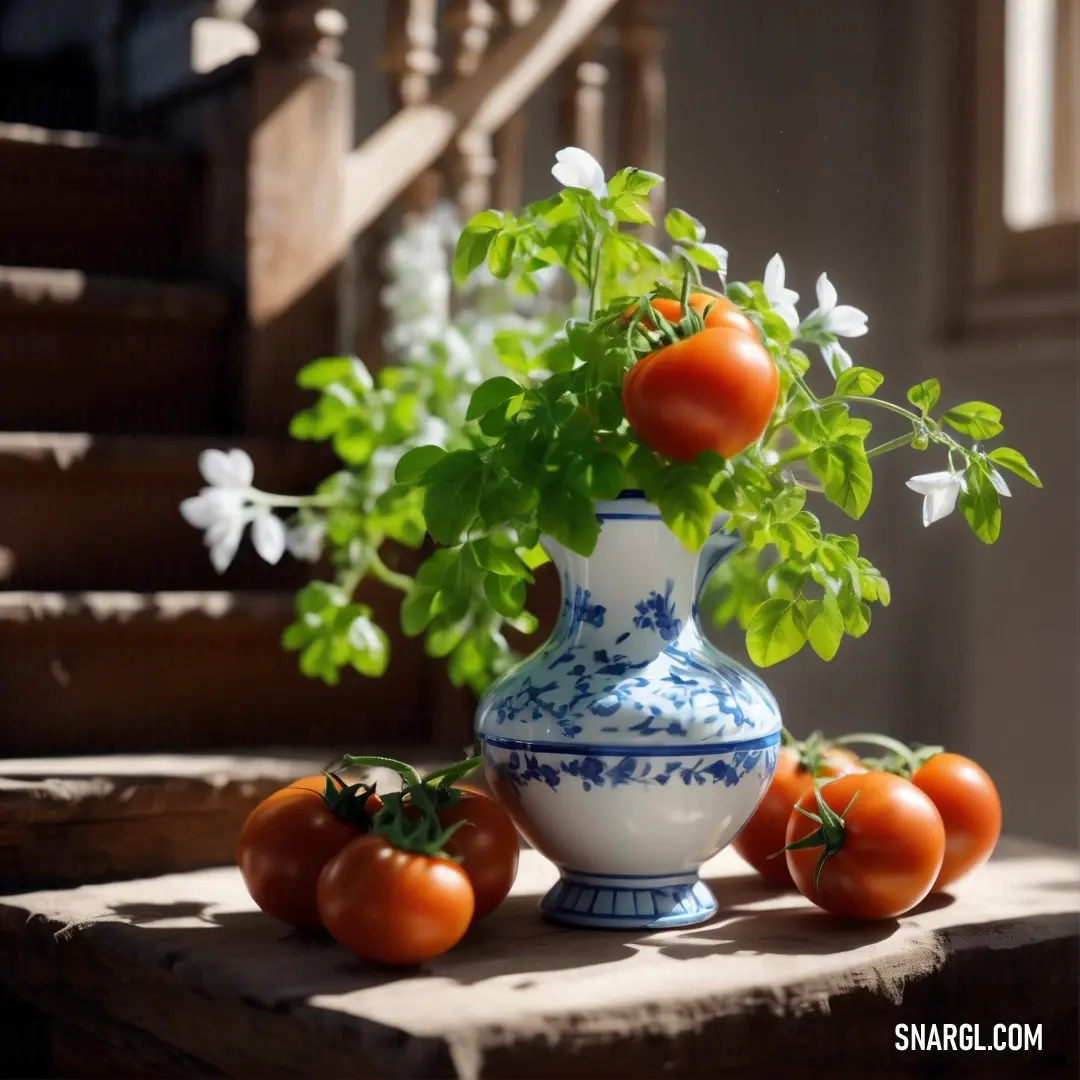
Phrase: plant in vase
(672, 431)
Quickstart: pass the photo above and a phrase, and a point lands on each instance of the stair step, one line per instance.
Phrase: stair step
(129, 672)
(111, 354)
(120, 496)
(72, 199)
(68, 821)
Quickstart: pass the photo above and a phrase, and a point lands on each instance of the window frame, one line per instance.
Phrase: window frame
(1013, 284)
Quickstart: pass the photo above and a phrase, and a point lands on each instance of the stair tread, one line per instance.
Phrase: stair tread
(52, 292)
(81, 141)
(24, 606)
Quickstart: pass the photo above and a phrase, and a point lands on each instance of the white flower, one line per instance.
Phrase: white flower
(940, 490)
(836, 356)
(829, 318)
(305, 542)
(268, 536)
(577, 168)
(219, 509)
(783, 300)
(364, 635)
(227, 470)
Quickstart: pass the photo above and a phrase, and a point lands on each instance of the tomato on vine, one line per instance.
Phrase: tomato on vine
(288, 838)
(393, 905)
(865, 846)
(761, 841)
(712, 386)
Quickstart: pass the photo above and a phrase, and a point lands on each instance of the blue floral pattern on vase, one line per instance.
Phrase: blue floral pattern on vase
(657, 612)
(521, 768)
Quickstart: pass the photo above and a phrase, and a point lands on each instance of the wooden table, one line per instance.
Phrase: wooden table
(180, 976)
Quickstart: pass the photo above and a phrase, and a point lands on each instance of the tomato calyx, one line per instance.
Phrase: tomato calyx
(899, 759)
(349, 801)
(811, 750)
(647, 330)
(408, 819)
(829, 835)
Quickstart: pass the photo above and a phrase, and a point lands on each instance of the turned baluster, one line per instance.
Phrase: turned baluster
(508, 144)
(275, 141)
(581, 100)
(471, 165)
(640, 42)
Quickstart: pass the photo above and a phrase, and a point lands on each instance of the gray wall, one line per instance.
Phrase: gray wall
(810, 128)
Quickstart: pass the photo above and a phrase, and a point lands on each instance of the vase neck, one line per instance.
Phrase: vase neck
(635, 595)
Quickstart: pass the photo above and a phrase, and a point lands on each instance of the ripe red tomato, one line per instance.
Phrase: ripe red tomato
(488, 847)
(722, 312)
(284, 844)
(714, 390)
(393, 906)
(970, 809)
(763, 835)
(891, 851)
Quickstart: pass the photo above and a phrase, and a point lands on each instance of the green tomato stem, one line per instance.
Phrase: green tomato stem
(892, 444)
(856, 399)
(374, 761)
(886, 742)
(267, 498)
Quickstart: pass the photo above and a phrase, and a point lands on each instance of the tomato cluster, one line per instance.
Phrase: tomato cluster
(713, 389)
(870, 839)
(397, 879)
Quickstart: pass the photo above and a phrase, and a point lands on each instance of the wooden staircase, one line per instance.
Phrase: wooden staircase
(156, 299)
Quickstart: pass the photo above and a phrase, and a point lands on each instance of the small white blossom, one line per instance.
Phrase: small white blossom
(305, 542)
(234, 469)
(830, 318)
(783, 299)
(577, 168)
(364, 635)
(268, 536)
(940, 490)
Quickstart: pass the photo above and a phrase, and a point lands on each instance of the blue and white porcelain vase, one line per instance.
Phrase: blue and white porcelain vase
(628, 749)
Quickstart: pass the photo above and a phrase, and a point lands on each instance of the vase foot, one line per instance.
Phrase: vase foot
(636, 901)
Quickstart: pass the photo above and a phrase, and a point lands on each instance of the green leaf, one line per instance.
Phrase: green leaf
(458, 465)
(500, 558)
(688, 509)
(416, 611)
(633, 182)
(490, 394)
(450, 506)
(320, 374)
(647, 470)
(708, 256)
(507, 500)
(826, 626)
(444, 637)
(788, 503)
(505, 594)
(776, 631)
(602, 477)
(354, 442)
(568, 517)
(981, 507)
(924, 396)
(679, 225)
(1015, 462)
(631, 209)
(859, 381)
(474, 242)
(855, 611)
(975, 418)
(843, 468)
(370, 647)
(414, 463)
(500, 256)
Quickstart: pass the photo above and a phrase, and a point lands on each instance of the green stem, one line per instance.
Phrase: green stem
(270, 499)
(886, 742)
(800, 453)
(856, 399)
(374, 761)
(892, 444)
(596, 243)
(387, 576)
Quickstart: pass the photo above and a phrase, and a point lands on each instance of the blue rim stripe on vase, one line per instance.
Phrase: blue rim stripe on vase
(640, 750)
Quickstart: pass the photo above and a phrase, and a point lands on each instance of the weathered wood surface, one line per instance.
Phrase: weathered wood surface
(66, 821)
(769, 986)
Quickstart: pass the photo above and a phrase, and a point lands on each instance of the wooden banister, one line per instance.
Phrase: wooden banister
(582, 85)
(508, 143)
(384, 165)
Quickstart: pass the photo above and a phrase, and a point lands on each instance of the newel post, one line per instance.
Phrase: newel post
(299, 285)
